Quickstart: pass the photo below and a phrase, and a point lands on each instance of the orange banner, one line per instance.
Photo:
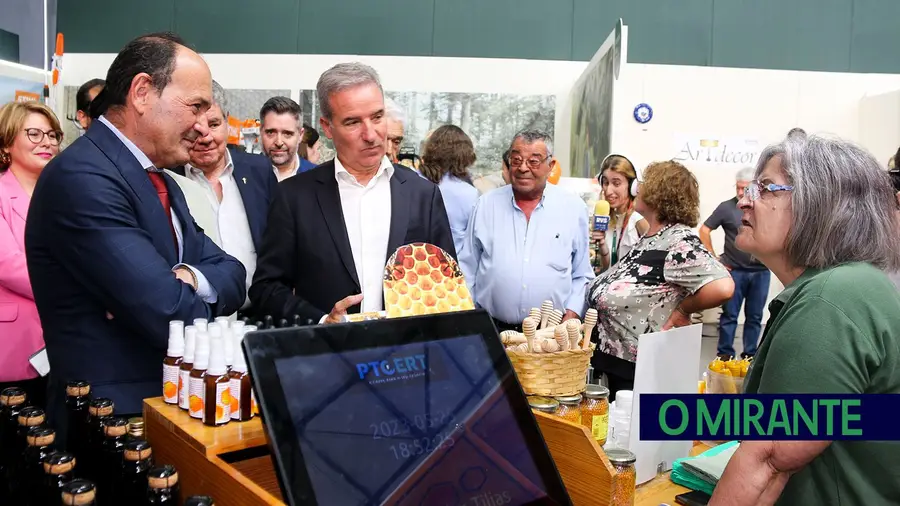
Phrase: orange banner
(27, 96)
(234, 130)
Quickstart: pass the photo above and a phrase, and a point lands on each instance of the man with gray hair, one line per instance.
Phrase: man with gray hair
(751, 277)
(237, 187)
(332, 229)
(527, 242)
(396, 125)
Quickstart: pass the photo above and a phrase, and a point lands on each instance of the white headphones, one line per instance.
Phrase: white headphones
(635, 182)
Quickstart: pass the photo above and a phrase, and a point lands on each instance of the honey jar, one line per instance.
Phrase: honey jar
(570, 408)
(625, 479)
(543, 404)
(595, 412)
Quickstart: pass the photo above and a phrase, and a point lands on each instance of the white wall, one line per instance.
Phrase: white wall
(879, 124)
(709, 102)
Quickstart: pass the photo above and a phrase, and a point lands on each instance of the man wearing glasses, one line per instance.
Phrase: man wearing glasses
(751, 277)
(527, 242)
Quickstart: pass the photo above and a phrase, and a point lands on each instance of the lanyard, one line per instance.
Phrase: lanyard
(616, 243)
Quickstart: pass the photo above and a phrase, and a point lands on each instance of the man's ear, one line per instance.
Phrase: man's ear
(140, 91)
(326, 127)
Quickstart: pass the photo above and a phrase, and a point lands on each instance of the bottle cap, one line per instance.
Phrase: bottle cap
(201, 351)
(115, 427)
(214, 331)
(223, 321)
(190, 343)
(202, 324)
(40, 435)
(101, 406)
(77, 388)
(239, 364)
(31, 416)
(59, 463)
(228, 347)
(162, 477)
(136, 427)
(217, 365)
(176, 339)
(137, 449)
(78, 492)
(12, 396)
(620, 456)
(199, 500)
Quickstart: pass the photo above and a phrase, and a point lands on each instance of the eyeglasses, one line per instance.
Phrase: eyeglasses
(516, 161)
(36, 135)
(755, 189)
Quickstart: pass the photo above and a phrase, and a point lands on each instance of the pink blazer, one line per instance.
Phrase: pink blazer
(20, 327)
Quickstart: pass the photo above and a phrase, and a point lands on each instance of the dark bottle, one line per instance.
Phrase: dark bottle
(239, 381)
(216, 393)
(78, 398)
(162, 486)
(109, 462)
(199, 500)
(28, 417)
(99, 410)
(40, 444)
(79, 492)
(59, 469)
(296, 320)
(270, 322)
(138, 459)
(282, 323)
(12, 401)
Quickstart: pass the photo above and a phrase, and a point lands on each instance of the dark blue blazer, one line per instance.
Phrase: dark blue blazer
(256, 181)
(97, 240)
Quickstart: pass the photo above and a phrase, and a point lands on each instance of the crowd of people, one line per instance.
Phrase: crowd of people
(151, 217)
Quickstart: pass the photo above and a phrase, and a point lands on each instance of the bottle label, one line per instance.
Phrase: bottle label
(183, 394)
(223, 404)
(195, 397)
(254, 409)
(234, 385)
(600, 426)
(170, 383)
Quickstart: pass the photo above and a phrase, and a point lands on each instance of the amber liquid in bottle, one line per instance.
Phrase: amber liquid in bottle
(172, 362)
(216, 396)
(241, 401)
(196, 385)
(184, 370)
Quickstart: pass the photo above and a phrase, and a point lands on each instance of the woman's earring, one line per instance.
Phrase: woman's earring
(5, 159)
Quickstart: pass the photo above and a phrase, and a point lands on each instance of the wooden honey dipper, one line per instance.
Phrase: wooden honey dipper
(529, 326)
(535, 313)
(546, 309)
(561, 337)
(590, 321)
(555, 318)
(573, 329)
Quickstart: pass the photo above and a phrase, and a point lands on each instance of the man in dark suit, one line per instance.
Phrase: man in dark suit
(112, 251)
(238, 185)
(331, 229)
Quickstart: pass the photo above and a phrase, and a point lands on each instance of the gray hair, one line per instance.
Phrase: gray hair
(393, 110)
(843, 204)
(745, 174)
(532, 136)
(341, 77)
(218, 95)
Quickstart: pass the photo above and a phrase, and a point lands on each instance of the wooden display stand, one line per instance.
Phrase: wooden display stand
(232, 463)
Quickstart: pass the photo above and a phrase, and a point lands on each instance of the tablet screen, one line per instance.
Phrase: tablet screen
(419, 423)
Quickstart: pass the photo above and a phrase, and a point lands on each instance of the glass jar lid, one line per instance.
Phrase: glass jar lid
(569, 399)
(596, 392)
(620, 456)
(545, 404)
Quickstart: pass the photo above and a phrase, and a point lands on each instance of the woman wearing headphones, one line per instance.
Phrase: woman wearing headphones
(626, 226)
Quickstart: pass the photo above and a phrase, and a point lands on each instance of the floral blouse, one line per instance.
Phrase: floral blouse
(638, 294)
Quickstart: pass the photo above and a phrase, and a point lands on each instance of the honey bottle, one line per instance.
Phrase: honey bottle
(162, 487)
(136, 462)
(79, 492)
(184, 370)
(78, 398)
(99, 410)
(40, 441)
(115, 430)
(172, 362)
(12, 401)
(199, 500)
(216, 395)
(195, 381)
(239, 381)
(59, 469)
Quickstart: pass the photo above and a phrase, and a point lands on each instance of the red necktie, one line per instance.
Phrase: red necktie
(159, 182)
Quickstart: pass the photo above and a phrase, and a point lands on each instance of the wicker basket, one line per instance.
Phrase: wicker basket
(552, 374)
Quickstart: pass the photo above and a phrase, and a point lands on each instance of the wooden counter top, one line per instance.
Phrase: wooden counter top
(662, 490)
(209, 441)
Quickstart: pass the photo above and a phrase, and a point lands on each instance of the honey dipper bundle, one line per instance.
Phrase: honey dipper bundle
(551, 357)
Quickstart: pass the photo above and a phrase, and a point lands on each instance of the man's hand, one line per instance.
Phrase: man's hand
(677, 319)
(569, 315)
(340, 308)
(187, 277)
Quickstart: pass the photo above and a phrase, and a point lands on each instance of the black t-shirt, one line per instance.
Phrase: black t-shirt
(728, 216)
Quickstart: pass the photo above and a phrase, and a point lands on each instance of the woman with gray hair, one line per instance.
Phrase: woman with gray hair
(821, 216)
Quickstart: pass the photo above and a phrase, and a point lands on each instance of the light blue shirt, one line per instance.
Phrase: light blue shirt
(204, 290)
(512, 264)
(459, 200)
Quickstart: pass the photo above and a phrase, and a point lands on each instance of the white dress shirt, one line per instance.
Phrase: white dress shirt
(205, 291)
(367, 216)
(232, 226)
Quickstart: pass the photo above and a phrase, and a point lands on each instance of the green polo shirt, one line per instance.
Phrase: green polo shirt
(836, 331)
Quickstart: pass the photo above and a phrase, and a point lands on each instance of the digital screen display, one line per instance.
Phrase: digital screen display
(421, 423)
